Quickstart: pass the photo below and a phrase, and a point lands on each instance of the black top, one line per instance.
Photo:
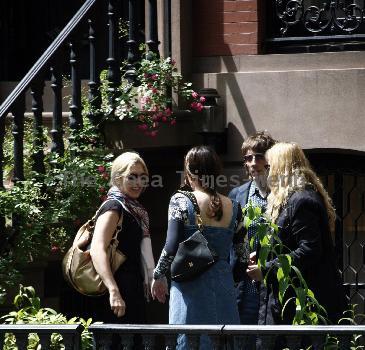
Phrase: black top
(304, 230)
(128, 277)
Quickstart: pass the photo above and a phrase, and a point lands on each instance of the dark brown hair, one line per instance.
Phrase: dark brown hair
(259, 142)
(203, 163)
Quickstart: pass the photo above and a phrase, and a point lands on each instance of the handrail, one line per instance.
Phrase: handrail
(226, 329)
(41, 328)
(24, 83)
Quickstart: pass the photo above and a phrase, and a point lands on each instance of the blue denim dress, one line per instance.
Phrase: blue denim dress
(210, 298)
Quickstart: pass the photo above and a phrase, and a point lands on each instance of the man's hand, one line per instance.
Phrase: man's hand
(254, 272)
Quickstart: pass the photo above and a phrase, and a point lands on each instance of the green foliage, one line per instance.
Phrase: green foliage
(307, 309)
(47, 209)
(29, 311)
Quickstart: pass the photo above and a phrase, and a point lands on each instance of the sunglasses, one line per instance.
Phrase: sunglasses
(249, 157)
(133, 178)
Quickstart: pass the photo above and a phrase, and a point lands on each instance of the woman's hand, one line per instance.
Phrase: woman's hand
(254, 272)
(117, 303)
(159, 289)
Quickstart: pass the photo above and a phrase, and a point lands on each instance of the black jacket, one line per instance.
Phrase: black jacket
(304, 230)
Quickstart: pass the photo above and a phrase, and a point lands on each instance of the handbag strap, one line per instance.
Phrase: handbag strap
(193, 200)
(119, 224)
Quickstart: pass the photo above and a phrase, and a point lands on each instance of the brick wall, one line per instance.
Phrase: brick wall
(225, 28)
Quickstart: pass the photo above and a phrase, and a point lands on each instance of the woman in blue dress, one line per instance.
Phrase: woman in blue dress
(209, 298)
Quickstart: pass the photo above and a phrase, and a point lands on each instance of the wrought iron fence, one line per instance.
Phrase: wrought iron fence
(70, 335)
(165, 336)
(310, 22)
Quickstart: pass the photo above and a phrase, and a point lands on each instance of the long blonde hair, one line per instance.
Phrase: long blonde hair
(290, 171)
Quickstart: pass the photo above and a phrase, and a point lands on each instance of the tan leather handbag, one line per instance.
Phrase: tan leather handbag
(77, 266)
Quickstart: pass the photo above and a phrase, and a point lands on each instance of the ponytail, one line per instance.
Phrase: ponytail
(215, 207)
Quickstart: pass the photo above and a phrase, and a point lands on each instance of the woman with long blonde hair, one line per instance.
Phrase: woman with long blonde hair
(303, 211)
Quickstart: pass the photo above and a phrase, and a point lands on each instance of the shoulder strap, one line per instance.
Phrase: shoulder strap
(119, 224)
(193, 200)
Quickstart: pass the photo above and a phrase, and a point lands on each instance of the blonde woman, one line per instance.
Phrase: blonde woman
(129, 287)
(301, 207)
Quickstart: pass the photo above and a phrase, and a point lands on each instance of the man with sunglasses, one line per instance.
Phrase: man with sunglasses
(256, 191)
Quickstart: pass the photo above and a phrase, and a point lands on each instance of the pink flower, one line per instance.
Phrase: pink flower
(173, 62)
(155, 117)
(202, 99)
(194, 94)
(105, 176)
(164, 119)
(199, 107)
(102, 190)
(153, 133)
(168, 112)
(173, 122)
(55, 249)
(155, 124)
(154, 76)
(101, 169)
(143, 127)
(103, 198)
(154, 91)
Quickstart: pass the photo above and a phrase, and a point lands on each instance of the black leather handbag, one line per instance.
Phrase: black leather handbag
(194, 255)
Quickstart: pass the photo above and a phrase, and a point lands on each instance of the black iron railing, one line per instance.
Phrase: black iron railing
(70, 333)
(164, 336)
(315, 22)
(64, 57)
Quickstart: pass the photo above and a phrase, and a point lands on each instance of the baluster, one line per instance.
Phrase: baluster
(241, 341)
(318, 340)
(102, 341)
(127, 341)
(344, 342)
(193, 341)
(22, 341)
(2, 136)
(75, 119)
(170, 341)
(152, 41)
(113, 65)
(266, 341)
(71, 342)
(132, 57)
(18, 134)
(37, 109)
(216, 341)
(45, 340)
(57, 129)
(2, 337)
(148, 341)
(293, 341)
(94, 83)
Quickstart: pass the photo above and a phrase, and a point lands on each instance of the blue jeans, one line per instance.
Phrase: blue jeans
(248, 308)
